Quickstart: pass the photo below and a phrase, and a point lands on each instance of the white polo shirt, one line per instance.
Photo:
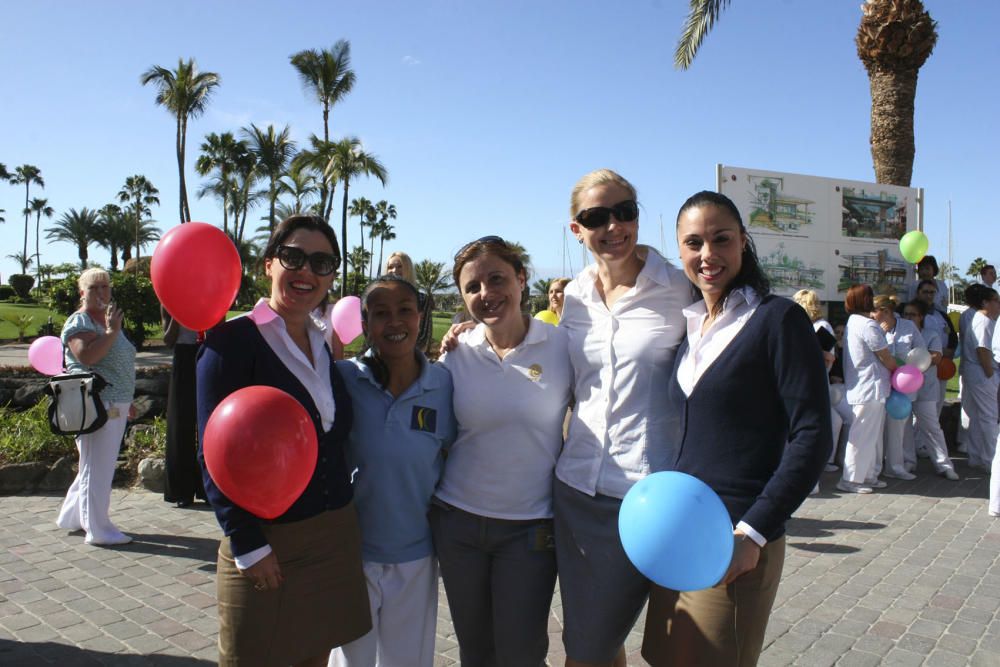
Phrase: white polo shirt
(980, 334)
(510, 415)
(623, 359)
(865, 378)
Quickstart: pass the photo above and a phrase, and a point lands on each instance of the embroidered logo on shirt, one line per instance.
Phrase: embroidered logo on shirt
(423, 419)
(535, 372)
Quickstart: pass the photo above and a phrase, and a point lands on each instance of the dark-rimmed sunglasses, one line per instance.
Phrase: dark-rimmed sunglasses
(486, 239)
(320, 263)
(598, 216)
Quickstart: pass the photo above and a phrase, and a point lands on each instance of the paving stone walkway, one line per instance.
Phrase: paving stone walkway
(907, 576)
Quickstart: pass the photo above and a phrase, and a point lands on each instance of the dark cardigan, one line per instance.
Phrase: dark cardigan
(756, 428)
(234, 356)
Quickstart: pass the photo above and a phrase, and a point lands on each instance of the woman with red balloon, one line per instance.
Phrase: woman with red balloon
(751, 406)
(289, 580)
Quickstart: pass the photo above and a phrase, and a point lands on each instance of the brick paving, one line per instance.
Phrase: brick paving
(907, 576)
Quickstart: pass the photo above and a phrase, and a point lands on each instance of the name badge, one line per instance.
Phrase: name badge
(423, 419)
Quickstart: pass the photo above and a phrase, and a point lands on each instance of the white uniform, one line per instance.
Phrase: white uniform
(980, 392)
(867, 383)
(898, 433)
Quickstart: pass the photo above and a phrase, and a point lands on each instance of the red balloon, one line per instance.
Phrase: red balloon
(260, 449)
(196, 274)
(946, 369)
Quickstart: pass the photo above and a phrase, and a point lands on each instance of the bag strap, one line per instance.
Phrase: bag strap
(83, 402)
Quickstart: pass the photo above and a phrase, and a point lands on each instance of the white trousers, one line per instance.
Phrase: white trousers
(981, 404)
(995, 482)
(963, 420)
(404, 599)
(928, 434)
(88, 500)
(894, 434)
(863, 440)
(837, 423)
(843, 409)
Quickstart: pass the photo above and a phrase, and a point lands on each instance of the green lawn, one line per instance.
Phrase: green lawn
(39, 314)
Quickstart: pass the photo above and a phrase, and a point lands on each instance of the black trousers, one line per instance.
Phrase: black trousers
(183, 482)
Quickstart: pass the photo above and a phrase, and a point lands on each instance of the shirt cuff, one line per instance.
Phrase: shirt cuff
(248, 560)
(747, 530)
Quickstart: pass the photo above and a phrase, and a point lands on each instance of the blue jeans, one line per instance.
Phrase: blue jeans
(499, 577)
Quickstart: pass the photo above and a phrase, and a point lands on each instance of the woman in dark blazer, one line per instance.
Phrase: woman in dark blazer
(292, 588)
(752, 409)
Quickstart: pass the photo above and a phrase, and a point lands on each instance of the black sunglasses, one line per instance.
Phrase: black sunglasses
(293, 259)
(598, 216)
(486, 239)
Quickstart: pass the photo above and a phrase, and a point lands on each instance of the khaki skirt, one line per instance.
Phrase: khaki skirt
(322, 603)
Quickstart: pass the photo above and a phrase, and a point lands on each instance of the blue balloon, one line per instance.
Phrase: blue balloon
(676, 531)
(898, 406)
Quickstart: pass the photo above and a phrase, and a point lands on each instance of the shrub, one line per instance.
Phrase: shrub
(6, 292)
(147, 441)
(22, 284)
(21, 322)
(25, 437)
(64, 295)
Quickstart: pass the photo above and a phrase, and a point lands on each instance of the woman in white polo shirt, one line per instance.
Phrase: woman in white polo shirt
(867, 368)
(979, 377)
(491, 517)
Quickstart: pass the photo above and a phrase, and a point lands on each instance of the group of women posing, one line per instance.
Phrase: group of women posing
(463, 464)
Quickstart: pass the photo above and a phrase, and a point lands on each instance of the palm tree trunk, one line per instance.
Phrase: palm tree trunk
(27, 216)
(225, 197)
(892, 142)
(180, 165)
(180, 169)
(273, 197)
(371, 263)
(343, 239)
(38, 254)
(381, 246)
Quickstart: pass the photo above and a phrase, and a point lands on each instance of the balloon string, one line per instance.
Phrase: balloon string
(201, 337)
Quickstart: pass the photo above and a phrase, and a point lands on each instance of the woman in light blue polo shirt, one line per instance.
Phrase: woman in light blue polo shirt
(402, 423)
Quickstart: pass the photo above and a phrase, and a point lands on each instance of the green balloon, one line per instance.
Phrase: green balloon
(913, 246)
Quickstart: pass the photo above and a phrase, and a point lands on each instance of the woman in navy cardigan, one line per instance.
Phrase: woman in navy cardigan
(290, 589)
(752, 410)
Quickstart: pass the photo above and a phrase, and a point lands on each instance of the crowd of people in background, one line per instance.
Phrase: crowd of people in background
(501, 467)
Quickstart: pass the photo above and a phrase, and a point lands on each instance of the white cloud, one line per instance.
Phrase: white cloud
(410, 61)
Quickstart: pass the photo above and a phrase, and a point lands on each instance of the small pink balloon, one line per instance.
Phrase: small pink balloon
(907, 379)
(345, 316)
(46, 355)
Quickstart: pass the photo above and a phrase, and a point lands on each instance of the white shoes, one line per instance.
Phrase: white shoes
(950, 474)
(113, 540)
(875, 483)
(852, 487)
(899, 474)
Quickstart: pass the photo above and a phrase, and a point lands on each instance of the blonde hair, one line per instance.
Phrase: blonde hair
(408, 272)
(560, 281)
(92, 275)
(809, 301)
(593, 179)
(885, 301)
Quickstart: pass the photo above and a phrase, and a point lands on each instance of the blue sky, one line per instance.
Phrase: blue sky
(486, 113)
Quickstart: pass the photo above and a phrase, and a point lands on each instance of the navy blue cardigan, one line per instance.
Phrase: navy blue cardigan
(234, 356)
(756, 428)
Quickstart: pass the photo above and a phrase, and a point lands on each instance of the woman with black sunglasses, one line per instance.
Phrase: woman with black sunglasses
(292, 588)
(623, 316)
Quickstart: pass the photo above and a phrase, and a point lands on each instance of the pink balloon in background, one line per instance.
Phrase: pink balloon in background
(345, 316)
(907, 379)
(46, 355)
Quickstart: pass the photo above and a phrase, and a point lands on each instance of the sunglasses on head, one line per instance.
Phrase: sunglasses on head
(598, 216)
(320, 263)
(486, 239)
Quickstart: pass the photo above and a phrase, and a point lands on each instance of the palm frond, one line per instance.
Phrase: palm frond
(701, 18)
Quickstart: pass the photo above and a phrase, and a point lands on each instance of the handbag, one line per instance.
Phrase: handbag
(76, 407)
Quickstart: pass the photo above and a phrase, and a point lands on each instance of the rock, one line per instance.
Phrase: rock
(147, 407)
(156, 386)
(152, 474)
(18, 477)
(123, 476)
(60, 476)
(29, 393)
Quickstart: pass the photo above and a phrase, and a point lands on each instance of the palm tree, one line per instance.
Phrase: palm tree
(39, 207)
(220, 152)
(243, 197)
(328, 77)
(362, 208)
(184, 92)
(4, 174)
(350, 161)
(358, 259)
(386, 233)
(27, 174)
(113, 233)
(273, 150)
(139, 194)
(24, 260)
(541, 286)
(895, 38)
(315, 159)
(430, 276)
(386, 212)
(300, 184)
(77, 227)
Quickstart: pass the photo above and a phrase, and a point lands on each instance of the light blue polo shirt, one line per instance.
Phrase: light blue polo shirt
(396, 447)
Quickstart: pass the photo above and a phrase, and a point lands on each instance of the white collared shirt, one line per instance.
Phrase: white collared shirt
(866, 379)
(704, 348)
(314, 377)
(622, 358)
(510, 415)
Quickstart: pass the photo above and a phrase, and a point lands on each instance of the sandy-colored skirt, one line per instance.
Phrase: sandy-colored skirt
(322, 603)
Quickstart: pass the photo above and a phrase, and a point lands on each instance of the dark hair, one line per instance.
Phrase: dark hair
(976, 295)
(379, 369)
(929, 259)
(292, 223)
(987, 267)
(919, 305)
(859, 299)
(750, 272)
(488, 245)
(927, 281)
